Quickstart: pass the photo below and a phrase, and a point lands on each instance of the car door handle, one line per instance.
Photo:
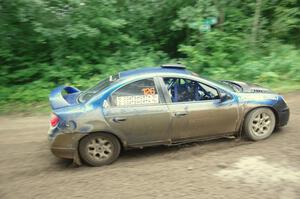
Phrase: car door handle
(118, 119)
(180, 114)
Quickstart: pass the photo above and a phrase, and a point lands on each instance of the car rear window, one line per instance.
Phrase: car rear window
(89, 93)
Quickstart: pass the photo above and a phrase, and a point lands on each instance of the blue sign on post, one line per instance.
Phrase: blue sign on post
(205, 28)
(207, 23)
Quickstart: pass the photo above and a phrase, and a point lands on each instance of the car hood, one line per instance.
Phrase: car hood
(248, 87)
(254, 93)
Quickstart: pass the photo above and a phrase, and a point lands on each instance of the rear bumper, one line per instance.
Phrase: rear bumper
(65, 145)
(283, 117)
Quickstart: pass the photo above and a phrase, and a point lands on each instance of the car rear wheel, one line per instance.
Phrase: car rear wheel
(99, 149)
(259, 124)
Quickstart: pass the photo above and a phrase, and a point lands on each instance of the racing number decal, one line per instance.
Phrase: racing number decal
(148, 91)
(149, 97)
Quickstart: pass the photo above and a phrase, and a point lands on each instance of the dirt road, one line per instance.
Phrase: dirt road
(224, 168)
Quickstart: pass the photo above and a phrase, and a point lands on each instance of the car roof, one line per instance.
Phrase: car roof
(154, 71)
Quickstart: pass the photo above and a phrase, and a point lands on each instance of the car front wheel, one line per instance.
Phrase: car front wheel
(99, 149)
(259, 124)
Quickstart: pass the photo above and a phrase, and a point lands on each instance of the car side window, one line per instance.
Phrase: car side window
(142, 92)
(184, 90)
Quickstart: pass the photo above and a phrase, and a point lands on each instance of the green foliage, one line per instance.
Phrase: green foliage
(45, 43)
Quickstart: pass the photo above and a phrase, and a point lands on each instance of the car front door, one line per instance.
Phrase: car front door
(197, 110)
(138, 111)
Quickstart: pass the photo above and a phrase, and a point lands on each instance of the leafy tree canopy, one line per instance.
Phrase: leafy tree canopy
(45, 43)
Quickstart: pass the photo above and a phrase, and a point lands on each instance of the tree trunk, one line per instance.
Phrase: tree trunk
(221, 17)
(256, 22)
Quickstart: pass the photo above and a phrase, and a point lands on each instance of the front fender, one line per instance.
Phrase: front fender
(251, 101)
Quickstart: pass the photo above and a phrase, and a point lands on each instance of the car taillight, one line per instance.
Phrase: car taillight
(54, 120)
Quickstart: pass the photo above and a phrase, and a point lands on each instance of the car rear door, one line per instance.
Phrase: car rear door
(138, 111)
(200, 117)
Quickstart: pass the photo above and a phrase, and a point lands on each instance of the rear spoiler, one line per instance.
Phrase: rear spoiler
(57, 99)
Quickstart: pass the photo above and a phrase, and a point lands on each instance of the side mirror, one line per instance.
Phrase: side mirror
(224, 97)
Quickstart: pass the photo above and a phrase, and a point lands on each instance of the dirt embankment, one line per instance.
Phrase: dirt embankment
(224, 168)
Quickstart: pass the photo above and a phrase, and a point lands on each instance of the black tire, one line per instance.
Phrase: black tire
(99, 149)
(259, 124)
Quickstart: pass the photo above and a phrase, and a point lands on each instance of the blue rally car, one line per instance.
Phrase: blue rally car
(163, 105)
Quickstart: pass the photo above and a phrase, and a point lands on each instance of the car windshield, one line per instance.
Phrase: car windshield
(234, 86)
(89, 93)
(229, 86)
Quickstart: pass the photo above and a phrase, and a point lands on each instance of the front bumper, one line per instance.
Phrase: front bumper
(65, 145)
(283, 117)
